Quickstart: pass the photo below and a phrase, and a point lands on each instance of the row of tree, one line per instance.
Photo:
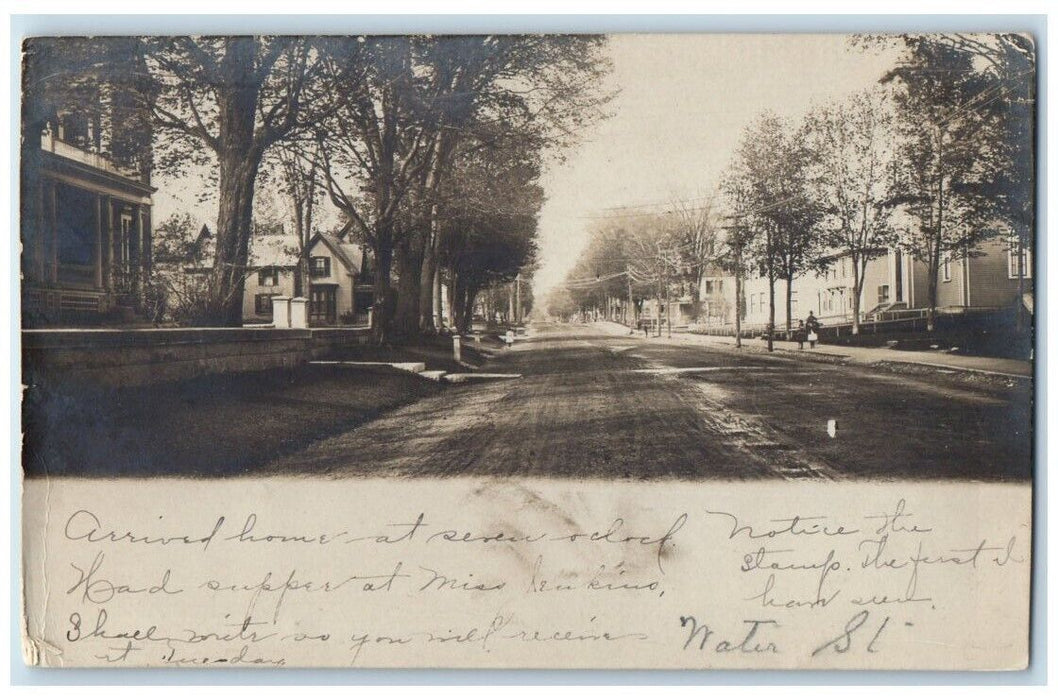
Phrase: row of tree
(935, 159)
(632, 256)
(430, 147)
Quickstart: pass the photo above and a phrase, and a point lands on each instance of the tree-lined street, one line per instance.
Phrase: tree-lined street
(594, 404)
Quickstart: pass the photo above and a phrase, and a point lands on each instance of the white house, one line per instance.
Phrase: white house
(339, 292)
(272, 264)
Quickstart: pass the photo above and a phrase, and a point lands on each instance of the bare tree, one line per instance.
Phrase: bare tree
(850, 166)
(300, 181)
(779, 221)
(697, 233)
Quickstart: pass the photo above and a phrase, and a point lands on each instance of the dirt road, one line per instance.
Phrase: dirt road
(596, 405)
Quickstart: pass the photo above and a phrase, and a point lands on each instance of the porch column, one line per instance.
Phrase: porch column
(97, 256)
(135, 253)
(145, 242)
(108, 259)
(40, 234)
(53, 232)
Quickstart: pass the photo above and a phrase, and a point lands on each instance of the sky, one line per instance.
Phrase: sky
(684, 101)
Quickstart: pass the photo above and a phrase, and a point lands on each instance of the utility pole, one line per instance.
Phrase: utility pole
(737, 248)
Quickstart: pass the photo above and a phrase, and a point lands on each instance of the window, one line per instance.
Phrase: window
(945, 268)
(1013, 260)
(74, 129)
(844, 272)
(321, 267)
(268, 277)
(793, 303)
(708, 286)
(262, 304)
(883, 293)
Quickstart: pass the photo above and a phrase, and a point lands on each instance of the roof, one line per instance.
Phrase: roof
(349, 254)
(273, 251)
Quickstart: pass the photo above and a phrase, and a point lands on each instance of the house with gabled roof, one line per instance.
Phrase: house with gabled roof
(270, 271)
(339, 282)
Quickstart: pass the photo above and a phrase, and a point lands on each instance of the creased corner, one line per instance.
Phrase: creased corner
(33, 650)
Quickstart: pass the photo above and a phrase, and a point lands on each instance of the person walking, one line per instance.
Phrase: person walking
(800, 334)
(812, 326)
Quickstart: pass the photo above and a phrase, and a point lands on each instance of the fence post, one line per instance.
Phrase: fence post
(281, 312)
(299, 312)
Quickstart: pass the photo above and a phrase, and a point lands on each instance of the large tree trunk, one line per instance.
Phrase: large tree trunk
(234, 218)
(428, 321)
(453, 280)
(437, 310)
(455, 304)
(738, 310)
(931, 300)
(430, 317)
(771, 311)
(239, 155)
(857, 292)
(465, 308)
(381, 308)
(789, 305)
(409, 262)
(931, 313)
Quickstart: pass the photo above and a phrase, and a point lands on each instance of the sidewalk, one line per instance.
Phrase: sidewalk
(869, 356)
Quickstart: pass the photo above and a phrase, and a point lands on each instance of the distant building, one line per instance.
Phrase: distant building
(86, 188)
(894, 285)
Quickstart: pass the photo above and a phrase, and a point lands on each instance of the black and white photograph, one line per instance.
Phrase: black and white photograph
(555, 323)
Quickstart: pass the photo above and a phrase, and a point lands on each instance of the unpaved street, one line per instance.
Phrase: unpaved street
(598, 405)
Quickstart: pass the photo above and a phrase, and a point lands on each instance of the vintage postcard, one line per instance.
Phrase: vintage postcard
(528, 351)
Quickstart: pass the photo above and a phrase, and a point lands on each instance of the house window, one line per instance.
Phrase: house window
(321, 267)
(268, 277)
(945, 268)
(708, 286)
(262, 304)
(883, 293)
(1013, 262)
(793, 303)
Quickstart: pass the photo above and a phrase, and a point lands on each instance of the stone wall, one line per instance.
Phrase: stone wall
(149, 356)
